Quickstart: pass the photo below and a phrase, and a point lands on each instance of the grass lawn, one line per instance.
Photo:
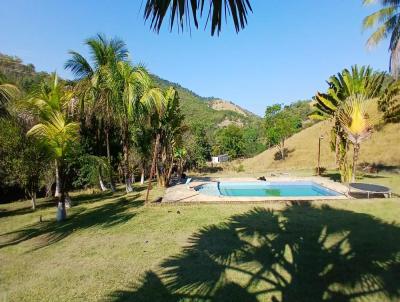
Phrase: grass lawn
(115, 248)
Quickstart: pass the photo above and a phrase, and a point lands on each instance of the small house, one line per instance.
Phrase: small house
(220, 158)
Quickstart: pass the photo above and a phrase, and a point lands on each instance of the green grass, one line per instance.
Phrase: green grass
(115, 248)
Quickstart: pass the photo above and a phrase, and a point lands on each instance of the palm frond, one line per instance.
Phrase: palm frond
(354, 119)
(180, 12)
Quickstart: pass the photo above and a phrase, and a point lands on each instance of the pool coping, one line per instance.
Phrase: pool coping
(185, 193)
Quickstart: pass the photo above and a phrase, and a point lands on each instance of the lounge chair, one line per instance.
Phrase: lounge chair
(369, 189)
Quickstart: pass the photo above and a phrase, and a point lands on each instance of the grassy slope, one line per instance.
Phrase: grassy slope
(114, 248)
(383, 147)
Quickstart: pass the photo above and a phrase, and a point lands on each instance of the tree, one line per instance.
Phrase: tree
(357, 81)
(142, 135)
(180, 11)
(7, 93)
(94, 85)
(52, 107)
(24, 160)
(135, 94)
(59, 134)
(356, 123)
(229, 140)
(389, 103)
(172, 128)
(166, 120)
(388, 21)
(198, 145)
(280, 125)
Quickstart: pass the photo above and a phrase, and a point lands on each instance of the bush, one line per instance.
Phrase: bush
(322, 170)
(239, 168)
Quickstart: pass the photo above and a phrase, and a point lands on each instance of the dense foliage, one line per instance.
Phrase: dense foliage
(114, 123)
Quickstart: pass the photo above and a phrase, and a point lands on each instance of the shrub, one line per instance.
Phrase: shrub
(322, 170)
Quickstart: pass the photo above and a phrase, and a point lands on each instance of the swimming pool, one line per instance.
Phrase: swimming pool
(265, 189)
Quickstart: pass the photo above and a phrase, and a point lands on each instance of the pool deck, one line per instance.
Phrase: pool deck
(185, 193)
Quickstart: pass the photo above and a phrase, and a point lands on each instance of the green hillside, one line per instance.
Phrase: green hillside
(196, 108)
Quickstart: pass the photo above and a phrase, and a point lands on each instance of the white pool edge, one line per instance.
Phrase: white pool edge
(187, 193)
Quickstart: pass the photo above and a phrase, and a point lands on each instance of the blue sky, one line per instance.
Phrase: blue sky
(286, 52)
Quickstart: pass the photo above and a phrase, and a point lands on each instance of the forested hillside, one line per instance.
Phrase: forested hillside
(198, 109)
(195, 108)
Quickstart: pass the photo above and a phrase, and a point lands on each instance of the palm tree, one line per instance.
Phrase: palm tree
(47, 98)
(93, 81)
(388, 21)
(180, 11)
(172, 129)
(356, 123)
(166, 120)
(7, 93)
(135, 94)
(58, 133)
(357, 81)
(389, 103)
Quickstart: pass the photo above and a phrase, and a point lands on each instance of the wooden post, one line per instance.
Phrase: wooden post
(319, 155)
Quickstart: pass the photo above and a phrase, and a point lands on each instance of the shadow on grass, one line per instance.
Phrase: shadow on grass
(26, 209)
(373, 176)
(335, 176)
(47, 233)
(301, 254)
(82, 198)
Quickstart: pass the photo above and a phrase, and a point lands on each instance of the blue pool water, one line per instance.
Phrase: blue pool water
(265, 189)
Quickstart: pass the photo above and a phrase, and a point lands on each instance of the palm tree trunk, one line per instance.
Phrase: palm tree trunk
(61, 211)
(57, 192)
(102, 186)
(337, 150)
(112, 185)
(125, 148)
(355, 159)
(33, 198)
(153, 165)
(142, 176)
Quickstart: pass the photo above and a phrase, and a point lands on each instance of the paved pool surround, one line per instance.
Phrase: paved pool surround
(186, 193)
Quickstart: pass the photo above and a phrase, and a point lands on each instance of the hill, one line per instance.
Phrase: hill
(382, 148)
(209, 110)
(196, 108)
(218, 104)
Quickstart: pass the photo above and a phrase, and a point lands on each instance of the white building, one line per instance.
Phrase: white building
(220, 158)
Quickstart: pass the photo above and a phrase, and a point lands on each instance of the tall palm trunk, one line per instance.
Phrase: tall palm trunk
(102, 186)
(142, 175)
(61, 212)
(57, 192)
(153, 165)
(355, 159)
(125, 148)
(33, 199)
(110, 172)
